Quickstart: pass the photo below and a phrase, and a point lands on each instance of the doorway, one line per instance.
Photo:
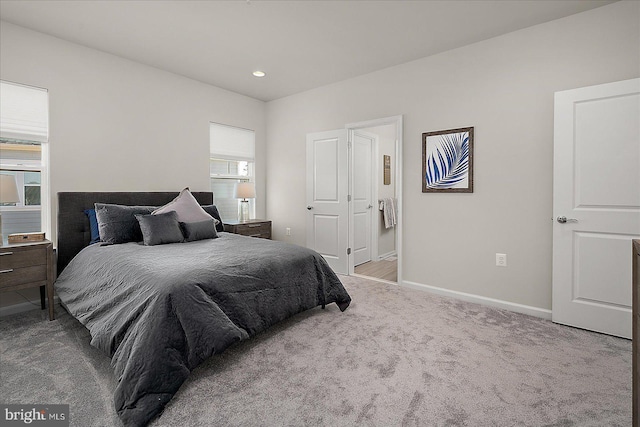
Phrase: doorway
(376, 179)
(340, 220)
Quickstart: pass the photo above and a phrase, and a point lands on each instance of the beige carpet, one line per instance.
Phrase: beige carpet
(396, 357)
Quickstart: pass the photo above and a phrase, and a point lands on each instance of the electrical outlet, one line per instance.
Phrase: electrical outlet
(501, 260)
(288, 231)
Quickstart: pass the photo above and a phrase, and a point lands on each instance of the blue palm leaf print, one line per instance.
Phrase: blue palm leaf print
(449, 164)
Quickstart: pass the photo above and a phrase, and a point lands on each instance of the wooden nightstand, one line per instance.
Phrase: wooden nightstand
(28, 265)
(253, 228)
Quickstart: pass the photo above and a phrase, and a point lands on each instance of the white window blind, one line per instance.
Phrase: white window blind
(24, 112)
(230, 143)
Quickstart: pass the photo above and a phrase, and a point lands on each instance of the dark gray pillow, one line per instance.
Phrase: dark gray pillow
(213, 211)
(199, 230)
(117, 223)
(160, 228)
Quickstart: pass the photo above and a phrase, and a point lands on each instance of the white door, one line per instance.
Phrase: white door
(362, 146)
(596, 205)
(327, 191)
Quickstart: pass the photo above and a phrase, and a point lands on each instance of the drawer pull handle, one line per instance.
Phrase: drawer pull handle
(255, 235)
(254, 225)
(6, 271)
(6, 253)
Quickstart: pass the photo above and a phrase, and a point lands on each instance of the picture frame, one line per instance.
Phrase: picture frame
(447, 161)
(386, 164)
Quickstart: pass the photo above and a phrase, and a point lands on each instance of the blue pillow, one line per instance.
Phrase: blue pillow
(93, 225)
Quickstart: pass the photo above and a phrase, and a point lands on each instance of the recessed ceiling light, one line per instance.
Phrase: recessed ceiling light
(259, 73)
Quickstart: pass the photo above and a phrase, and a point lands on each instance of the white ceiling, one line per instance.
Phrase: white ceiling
(299, 44)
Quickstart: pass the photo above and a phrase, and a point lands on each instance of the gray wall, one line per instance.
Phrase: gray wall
(504, 88)
(117, 125)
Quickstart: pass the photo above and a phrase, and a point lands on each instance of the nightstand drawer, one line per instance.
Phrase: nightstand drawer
(252, 228)
(18, 276)
(20, 258)
(262, 230)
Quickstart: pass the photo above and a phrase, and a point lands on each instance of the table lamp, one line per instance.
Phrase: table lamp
(8, 194)
(244, 191)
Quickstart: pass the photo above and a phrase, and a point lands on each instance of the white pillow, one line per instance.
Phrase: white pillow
(186, 207)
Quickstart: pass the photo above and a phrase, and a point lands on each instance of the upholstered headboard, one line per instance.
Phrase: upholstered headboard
(73, 225)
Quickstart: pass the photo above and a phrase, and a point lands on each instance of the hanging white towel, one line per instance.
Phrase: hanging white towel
(389, 212)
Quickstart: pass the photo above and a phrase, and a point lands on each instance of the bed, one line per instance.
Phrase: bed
(159, 311)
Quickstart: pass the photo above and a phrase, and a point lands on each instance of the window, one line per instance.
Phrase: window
(31, 188)
(28, 188)
(231, 160)
(23, 162)
(23, 151)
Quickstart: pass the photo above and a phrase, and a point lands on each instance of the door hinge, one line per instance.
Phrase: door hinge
(348, 251)
(348, 197)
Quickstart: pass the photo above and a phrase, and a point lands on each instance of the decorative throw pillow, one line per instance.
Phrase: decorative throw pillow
(117, 223)
(93, 225)
(213, 211)
(199, 230)
(160, 229)
(186, 206)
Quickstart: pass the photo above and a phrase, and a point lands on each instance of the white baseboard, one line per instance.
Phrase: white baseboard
(387, 255)
(22, 307)
(492, 302)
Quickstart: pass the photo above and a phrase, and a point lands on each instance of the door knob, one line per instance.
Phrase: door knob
(563, 219)
(369, 207)
(309, 208)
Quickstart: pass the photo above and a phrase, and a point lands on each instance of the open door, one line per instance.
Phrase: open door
(363, 146)
(596, 204)
(327, 197)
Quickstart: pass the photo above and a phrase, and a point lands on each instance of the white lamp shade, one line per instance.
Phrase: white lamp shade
(245, 190)
(8, 189)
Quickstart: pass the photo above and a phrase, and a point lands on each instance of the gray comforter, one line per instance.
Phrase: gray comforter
(159, 311)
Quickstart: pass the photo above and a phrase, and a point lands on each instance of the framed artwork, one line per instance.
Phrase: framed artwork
(386, 163)
(447, 161)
